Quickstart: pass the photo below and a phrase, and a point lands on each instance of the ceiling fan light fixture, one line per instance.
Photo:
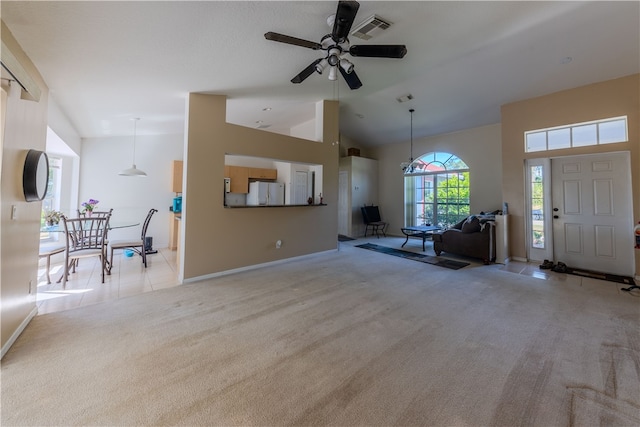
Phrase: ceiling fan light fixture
(333, 73)
(346, 65)
(320, 66)
(133, 170)
(334, 57)
(336, 44)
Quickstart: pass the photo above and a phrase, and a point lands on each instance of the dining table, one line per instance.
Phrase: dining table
(59, 228)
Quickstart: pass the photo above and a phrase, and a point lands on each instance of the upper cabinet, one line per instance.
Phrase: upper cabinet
(240, 176)
(176, 176)
(260, 173)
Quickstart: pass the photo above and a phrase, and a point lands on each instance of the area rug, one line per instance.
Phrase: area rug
(440, 262)
(626, 280)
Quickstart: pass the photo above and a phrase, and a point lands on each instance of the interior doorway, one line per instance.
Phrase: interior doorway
(343, 203)
(300, 187)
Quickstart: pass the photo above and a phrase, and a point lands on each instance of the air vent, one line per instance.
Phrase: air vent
(371, 26)
(404, 98)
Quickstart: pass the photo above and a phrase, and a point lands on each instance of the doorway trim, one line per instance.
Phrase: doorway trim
(534, 254)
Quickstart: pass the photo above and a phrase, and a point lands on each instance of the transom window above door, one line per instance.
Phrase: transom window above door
(598, 132)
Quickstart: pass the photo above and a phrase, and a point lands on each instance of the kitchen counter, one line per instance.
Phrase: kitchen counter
(273, 206)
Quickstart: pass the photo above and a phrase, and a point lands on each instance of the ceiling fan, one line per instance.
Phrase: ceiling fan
(337, 47)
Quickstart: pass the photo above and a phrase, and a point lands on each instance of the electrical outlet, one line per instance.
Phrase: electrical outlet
(14, 212)
(278, 244)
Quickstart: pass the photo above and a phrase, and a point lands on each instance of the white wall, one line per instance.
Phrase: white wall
(131, 197)
(480, 148)
(60, 124)
(306, 130)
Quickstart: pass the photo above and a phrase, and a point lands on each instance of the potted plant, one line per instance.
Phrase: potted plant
(88, 206)
(52, 217)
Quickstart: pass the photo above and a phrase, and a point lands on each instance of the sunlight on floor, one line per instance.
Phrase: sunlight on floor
(84, 287)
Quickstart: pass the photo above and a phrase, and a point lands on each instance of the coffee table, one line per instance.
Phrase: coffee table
(422, 231)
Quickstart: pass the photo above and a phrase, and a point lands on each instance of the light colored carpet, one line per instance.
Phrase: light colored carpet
(346, 338)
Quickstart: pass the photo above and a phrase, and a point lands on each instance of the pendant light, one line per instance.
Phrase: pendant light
(133, 171)
(409, 167)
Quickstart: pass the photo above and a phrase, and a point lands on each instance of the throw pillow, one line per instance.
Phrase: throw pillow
(458, 226)
(471, 225)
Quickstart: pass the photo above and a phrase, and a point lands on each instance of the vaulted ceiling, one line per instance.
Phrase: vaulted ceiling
(106, 62)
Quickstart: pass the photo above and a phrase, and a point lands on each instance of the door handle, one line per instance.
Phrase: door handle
(556, 217)
(555, 209)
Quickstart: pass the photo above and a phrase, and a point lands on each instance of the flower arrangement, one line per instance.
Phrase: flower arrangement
(89, 205)
(52, 217)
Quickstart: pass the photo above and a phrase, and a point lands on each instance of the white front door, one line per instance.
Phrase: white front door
(592, 213)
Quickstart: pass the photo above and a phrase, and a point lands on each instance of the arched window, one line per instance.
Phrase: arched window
(436, 190)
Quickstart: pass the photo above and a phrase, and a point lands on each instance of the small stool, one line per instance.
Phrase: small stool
(48, 249)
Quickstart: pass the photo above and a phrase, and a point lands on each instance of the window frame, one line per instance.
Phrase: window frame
(573, 128)
(432, 168)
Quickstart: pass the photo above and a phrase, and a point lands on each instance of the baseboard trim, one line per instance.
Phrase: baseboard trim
(519, 259)
(254, 267)
(17, 332)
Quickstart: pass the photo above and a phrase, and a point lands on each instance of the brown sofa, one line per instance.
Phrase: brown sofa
(473, 237)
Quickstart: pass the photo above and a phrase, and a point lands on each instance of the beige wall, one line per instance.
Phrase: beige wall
(479, 148)
(618, 97)
(216, 239)
(25, 128)
(346, 143)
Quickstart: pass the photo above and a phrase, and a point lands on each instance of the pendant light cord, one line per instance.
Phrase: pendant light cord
(135, 128)
(411, 111)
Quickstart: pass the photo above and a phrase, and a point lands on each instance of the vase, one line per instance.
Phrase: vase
(89, 213)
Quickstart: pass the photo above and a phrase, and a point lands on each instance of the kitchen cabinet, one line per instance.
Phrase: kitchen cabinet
(261, 173)
(176, 187)
(240, 176)
(176, 176)
(174, 228)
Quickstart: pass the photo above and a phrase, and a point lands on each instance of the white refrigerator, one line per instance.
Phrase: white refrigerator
(263, 193)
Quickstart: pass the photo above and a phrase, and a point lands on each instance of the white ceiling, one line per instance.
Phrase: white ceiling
(106, 62)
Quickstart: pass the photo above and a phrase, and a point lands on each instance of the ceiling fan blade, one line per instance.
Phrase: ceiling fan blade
(306, 72)
(345, 15)
(351, 78)
(276, 37)
(379, 50)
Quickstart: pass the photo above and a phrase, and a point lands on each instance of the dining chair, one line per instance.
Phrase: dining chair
(137, 245)
(47, 250)
(96, 214)
(85, 237)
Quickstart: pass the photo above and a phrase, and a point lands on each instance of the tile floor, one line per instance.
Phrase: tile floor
(84, 287)
(129, 277)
